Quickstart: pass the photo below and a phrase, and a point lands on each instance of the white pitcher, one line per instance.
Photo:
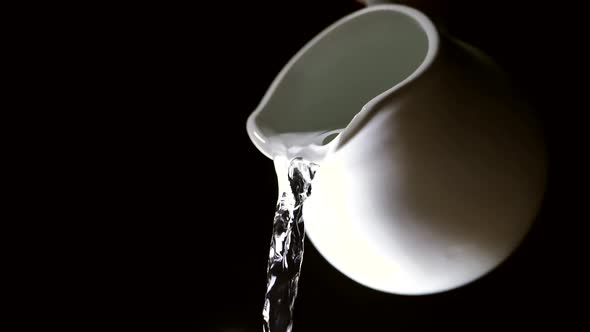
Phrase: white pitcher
(437, 170)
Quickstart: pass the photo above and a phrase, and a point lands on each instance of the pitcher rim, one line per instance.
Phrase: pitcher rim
(423, 21)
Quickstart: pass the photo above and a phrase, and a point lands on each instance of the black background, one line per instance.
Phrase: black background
(188, 200)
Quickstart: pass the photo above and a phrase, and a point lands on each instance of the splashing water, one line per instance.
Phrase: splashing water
(286, 248)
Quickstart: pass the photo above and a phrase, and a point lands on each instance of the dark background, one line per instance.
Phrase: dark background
(189, 200)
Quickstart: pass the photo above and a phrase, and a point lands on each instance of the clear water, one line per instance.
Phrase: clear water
(286, 248)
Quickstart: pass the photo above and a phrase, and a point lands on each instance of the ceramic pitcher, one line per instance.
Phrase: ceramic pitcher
(432, 168)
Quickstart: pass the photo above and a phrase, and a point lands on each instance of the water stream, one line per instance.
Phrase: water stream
(286, 248)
